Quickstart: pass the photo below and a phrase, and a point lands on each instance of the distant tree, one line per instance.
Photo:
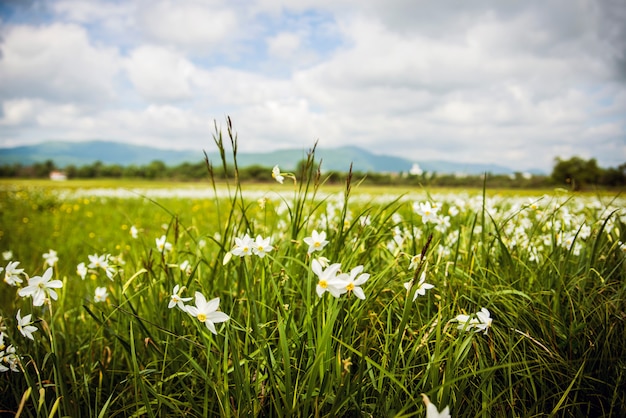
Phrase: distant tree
(614, 177)
(576, 172)
(156, 170)
(42, 170)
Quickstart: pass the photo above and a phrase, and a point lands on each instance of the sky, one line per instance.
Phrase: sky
(516, 83)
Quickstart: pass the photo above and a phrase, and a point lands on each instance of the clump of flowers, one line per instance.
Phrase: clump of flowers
(481, 321)
(333, 281)
(247, 246)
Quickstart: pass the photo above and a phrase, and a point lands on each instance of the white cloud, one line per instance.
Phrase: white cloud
(198, 25)
(284, 44)
(57, 61)
(515, 83)
(160, 74)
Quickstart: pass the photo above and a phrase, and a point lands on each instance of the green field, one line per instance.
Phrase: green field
(296, 338)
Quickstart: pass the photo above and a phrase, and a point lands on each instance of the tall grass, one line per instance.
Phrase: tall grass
(549, 270)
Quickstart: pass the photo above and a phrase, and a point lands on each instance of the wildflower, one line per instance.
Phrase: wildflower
(484, 320)
(243, 246)
(177, 300)
(324, 262)
(277, 175)
(415, 261)
(422, 286)
(432, 411)
(101, 294)
(24, 325)
(7, 255)
(316, 241)
(50, 258)
(134, 232)
(481, 322)
(185, 267)
(8, 356)
(81, 270)
(261, 246)
(355, 280)
(39, 286)
(207, 312)
(12, 273)
(328, 280)
(97, 261)
(427, 212)
(162, 245)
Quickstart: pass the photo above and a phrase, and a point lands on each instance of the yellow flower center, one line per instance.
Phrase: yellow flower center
(350, 287)
(201, 317)
(260, 248)
(323, 284)
(317, 244)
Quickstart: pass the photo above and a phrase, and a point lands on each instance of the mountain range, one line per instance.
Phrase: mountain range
(64, 153)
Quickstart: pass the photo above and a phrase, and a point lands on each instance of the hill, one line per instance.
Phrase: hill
(65, 153)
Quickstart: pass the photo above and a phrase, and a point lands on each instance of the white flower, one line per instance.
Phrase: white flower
(7, 255)
(162, 244)
(480, 322)
(81, 270)
(277, 175)
(316, 241)
(24, 325)
(427, 212)
(421, 287)
(207, 312)
(415, 261)
(354, 281)
(12, 273)
(484, 320)
(328, 279)
(41, 286)
(261, 246)
(50, 258)
(100, 294)
(134, 232)
(432, 411)
(10, 358)
(243, 246)
(97, 261)
(324, 262)
(185, 267)
(177, 300)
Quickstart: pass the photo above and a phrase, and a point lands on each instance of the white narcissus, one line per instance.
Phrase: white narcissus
(207, 312)
(41, 286)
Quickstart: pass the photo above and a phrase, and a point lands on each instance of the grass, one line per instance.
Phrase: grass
(549, 268)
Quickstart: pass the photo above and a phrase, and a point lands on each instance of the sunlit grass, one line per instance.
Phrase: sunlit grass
(524, 315)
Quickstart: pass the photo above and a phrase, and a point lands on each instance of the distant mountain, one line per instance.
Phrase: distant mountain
(80, 153)
(335, 159)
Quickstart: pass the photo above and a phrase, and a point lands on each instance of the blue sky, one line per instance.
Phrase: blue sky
(487, 81)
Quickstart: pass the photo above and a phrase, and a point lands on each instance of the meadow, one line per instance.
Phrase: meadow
(300, 299)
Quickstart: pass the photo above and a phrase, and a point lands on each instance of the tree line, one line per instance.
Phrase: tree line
(574, 173)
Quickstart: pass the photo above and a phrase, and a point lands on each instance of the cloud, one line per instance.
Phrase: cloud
(517, 83)
(56, 61)
(160, 74)
(193, 25)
